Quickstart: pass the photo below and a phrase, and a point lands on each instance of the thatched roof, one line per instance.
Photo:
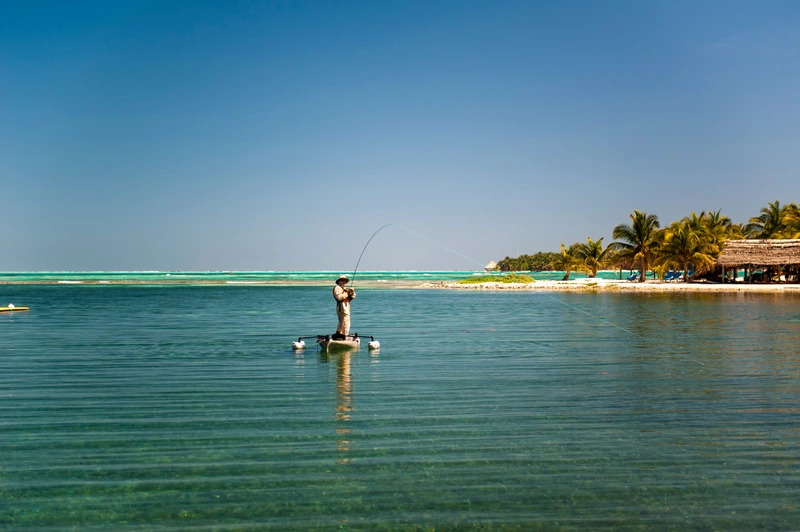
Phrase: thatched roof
(491, 266)
(760, 253)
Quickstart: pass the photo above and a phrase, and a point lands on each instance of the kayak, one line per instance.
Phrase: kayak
(328, 343)
(351, 342)
(12, 308)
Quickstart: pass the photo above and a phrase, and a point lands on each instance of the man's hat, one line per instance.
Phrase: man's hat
(344, 278)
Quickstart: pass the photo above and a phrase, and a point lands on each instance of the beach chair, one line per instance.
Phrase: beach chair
(671, 276)
(633, 277)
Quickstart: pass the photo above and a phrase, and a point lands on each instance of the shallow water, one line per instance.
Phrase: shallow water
(185, 406)
(271, 277)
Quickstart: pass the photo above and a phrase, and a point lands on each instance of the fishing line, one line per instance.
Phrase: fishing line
(355, 270)
(441, 245)
(573, 307)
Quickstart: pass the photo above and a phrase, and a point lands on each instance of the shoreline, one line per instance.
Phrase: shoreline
(608, 285)
(585, 285)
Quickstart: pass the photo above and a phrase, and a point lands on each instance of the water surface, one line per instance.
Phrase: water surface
(186, 407)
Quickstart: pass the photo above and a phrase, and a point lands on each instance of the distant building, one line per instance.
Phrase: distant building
(492, 266)
(773, 254)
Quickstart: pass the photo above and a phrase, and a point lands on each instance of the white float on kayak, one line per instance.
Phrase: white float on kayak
(299, 344)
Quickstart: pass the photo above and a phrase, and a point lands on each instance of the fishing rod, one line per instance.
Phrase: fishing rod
(353, 278)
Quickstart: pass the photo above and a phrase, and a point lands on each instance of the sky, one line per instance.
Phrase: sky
(251, 136)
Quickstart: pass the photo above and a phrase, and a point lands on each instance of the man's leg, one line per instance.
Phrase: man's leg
(344, 323)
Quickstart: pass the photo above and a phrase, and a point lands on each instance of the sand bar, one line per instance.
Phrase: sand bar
(602, 285)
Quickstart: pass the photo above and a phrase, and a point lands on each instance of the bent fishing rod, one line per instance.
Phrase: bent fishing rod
(353, 278)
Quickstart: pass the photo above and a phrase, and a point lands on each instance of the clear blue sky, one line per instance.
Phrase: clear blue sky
(193, 135)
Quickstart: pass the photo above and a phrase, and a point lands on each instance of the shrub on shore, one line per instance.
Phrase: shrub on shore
(507, 279)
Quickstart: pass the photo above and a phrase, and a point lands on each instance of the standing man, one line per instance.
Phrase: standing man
(343, 297)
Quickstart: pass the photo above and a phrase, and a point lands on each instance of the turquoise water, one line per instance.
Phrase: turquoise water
(278, 277)
(185, 407)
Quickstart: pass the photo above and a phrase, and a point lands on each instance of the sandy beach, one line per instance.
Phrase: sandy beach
(588, 285)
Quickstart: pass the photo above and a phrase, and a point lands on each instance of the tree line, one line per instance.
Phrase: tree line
(692, 243)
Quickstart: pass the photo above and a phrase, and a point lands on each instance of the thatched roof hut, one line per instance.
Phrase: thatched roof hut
(740, 253)
(492, 266)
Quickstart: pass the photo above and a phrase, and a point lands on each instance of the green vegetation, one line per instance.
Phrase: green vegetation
(566, 261)
(637, 243)
(775, 222)
(591, 256)
(509, 278)
(540, 262)
(691, 244)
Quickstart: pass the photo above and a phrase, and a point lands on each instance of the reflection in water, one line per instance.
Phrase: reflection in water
(343, 405)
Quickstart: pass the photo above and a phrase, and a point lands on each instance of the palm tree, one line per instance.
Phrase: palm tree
(696, 221)
(768, 224)
(721, 228)
(619, 261)
(712, 228)
(684, 245)
(737, 232)
(791, 221)
(591, 256)
(638, 241)
(567, 261)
